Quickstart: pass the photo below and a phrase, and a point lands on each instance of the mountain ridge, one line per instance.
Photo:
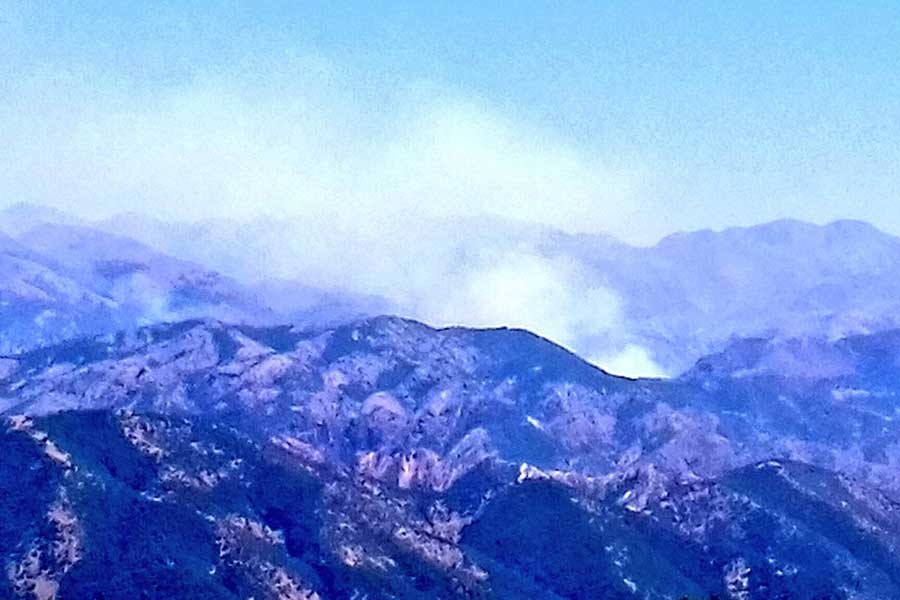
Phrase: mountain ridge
(391, 458)
(654, 309)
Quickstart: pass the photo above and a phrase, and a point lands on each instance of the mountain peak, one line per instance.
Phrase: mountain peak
(19, 217)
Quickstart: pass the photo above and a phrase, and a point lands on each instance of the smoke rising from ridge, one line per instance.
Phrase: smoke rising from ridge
(342, 197)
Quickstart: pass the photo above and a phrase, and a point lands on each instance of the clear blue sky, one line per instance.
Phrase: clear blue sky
(701, 113)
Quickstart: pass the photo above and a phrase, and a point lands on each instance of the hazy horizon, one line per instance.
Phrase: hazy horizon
(392, 136)
(632, 121)
(449, 300)
(237, 220)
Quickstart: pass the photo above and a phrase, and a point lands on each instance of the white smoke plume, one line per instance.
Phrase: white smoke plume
(302, 182)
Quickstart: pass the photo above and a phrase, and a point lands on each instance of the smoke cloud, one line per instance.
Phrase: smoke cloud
(305, 180)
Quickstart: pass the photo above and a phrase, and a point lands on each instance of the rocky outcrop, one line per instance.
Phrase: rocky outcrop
(388, 458)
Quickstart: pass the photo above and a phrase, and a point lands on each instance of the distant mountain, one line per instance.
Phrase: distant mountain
(163, 435)
(697, 290)
(19, 218)
(40, 305)
(307, 306)
(155, 286)
(64, 281)
(676, 301)
(390, 459)
(640, 310)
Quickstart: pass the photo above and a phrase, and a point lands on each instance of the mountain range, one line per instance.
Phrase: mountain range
(185, 417)
(63, 278)
(679, 299)
(636, 310)
(387, 459)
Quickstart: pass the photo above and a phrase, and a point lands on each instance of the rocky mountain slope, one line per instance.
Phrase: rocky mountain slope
(40, 305)
(129, 506)
(382, 458)
(388, 385)
(61, 279)
(65, 281)
(387, 459)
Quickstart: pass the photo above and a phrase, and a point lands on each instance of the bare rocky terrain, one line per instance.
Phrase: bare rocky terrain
(165, 436)
(387, 459)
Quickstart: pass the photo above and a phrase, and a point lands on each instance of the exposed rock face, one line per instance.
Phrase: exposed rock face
(47, 561)
(434, 402)
(248, 518)
(389, 459)
(396, 396)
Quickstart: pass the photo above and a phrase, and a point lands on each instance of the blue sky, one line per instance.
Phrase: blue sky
(637, 118)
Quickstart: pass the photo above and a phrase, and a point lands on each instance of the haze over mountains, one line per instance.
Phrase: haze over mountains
(449, 301)
(634, 310)
(225, 410)
(64, 278)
